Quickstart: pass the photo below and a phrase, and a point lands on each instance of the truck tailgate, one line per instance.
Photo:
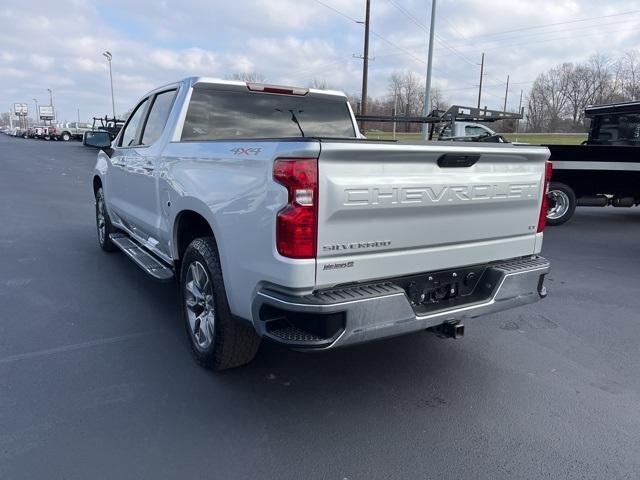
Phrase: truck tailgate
(388, 209)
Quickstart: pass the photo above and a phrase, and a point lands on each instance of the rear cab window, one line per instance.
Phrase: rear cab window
(216, 114)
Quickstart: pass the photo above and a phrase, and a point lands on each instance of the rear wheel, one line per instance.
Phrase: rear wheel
(218, 340)
(65, 136)
(562, 203)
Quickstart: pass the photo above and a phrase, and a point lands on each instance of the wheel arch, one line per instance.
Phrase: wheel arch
(97, 183)
(188, 225)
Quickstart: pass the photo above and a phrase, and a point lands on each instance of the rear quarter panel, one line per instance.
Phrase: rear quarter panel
(230, 183)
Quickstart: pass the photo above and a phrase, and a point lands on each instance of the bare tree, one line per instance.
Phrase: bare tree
(629, 75)
(437, 100)
(604, 82)
(582, 84)
(555, 84)
(320, 84)
(406, 88)
(251, 77)
(536, 109)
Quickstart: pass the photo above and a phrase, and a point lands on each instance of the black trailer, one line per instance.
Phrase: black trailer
(604, 170)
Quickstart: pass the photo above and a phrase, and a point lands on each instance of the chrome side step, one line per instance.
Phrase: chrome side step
(145, 260)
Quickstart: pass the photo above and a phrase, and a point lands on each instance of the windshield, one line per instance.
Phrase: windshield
(222, 114)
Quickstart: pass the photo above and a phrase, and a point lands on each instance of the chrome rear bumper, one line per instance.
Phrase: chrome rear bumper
(383, 310)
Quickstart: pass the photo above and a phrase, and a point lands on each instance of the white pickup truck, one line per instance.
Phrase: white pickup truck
(279, 221)
(462, 130)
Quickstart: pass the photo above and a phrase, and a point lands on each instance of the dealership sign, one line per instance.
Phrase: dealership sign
(20, 109)
(46, 112)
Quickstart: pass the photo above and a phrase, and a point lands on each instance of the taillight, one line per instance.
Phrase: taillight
(297, 222)
(258, 87)
(542, 221)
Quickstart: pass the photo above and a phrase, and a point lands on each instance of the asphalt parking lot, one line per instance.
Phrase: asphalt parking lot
(96, 378)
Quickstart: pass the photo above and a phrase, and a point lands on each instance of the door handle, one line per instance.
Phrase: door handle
(456, 160)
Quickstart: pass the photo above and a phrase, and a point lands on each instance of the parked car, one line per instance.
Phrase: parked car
(604, 170)
(68, 131)
(35, 131)
(280, 222)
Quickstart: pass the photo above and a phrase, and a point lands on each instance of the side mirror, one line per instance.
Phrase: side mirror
(98, 139)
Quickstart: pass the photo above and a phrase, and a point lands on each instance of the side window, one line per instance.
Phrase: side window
(158, 116)
(129, 136)
(474, 131)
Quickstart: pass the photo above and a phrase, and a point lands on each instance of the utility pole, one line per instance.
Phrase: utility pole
(78, 115)
(36, 115)
(108, 56)
(365, 64)
(520, 111)
(481, 75)
(506, 94)
(427, 88)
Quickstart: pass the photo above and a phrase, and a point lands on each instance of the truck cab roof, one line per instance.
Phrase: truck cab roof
(240, 84)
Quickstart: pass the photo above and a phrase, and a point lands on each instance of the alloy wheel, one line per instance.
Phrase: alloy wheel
(558, 204)
(199, 304)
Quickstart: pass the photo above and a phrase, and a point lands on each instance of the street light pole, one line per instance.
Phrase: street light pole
(51, 105)
(36, 115)
(108, 56)
(427, 89)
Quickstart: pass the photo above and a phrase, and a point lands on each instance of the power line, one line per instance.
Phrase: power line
(518, 37)
(631, 12)
(571, 37)
(396, 46)
(426, 29)
(376, 34)
(440, 40)
(402, 49)
(453, 27)
(337, 11)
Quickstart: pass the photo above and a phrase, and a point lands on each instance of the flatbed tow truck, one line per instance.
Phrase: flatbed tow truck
(604, 170)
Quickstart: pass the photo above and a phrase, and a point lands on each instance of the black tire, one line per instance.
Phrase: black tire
(234, 343)
(65, 137)
(562, 203)
(103, 238)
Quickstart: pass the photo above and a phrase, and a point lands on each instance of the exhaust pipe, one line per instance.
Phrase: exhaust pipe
(593, 201)
(449, 329)
(623, 202)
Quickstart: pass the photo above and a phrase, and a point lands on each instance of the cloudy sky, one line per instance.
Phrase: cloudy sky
(58, 44)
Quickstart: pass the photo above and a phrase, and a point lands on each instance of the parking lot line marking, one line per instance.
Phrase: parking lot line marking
(69, 348)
